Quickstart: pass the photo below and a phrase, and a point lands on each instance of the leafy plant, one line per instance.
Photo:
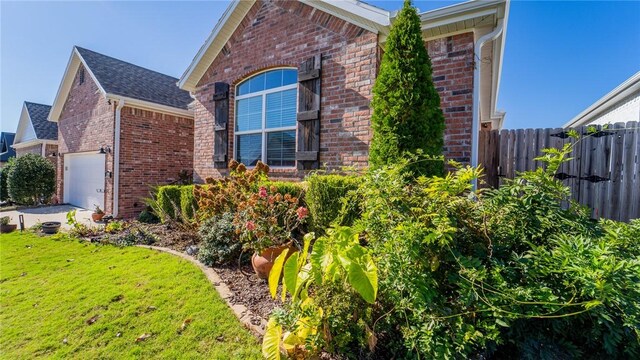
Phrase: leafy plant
(31, 180)
(5, 220)
(115, 226)
(220, 243)
(79, 229)
(336, 259)
(406, 118)
(97, 210)
(267, 218)
(4, 174)
(148, 217)
(328, 199)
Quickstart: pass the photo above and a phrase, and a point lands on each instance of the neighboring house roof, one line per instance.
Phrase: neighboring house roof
(119, 79)
(33, 127)
(623, 90)
(38, 113)
(6, 151)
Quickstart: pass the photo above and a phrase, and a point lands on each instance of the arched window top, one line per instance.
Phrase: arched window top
(270, 79)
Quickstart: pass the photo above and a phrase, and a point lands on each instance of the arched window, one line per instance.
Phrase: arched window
(266, 106)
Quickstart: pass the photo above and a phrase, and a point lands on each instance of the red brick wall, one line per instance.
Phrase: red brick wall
(285, 33)
(452, 60)
(51, 148)
(35, 149)
(85, 124)
(154, 147)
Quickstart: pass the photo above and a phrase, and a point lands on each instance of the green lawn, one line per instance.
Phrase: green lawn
(50, 287)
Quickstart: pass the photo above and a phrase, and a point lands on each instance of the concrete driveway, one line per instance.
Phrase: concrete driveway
(42, 214)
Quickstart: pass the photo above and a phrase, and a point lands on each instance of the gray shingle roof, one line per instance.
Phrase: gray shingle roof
(45, 129)
(6, 140)
(122, 78)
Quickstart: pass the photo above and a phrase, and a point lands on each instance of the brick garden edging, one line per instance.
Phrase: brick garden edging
(242, 313)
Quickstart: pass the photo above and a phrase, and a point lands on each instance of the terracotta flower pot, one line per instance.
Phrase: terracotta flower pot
(8, 228)
(97, 217)
(263, 262)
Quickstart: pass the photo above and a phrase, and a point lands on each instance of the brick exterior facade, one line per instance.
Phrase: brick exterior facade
(154, 146)
(86, 123)
(453, 64)
(285, 33)
(35, 149)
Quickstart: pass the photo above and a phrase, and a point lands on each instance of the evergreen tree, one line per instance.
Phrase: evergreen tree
(407, 118)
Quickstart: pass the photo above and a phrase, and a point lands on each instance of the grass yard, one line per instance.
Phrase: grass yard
(63, 298)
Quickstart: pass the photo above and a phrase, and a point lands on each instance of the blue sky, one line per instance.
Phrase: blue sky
(560, 56)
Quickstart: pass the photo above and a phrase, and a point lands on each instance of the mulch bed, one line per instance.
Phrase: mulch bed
(248, 289)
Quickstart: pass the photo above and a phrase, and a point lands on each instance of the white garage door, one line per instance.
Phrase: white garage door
(84, 180)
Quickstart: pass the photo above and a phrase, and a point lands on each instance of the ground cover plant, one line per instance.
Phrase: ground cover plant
(68, 299)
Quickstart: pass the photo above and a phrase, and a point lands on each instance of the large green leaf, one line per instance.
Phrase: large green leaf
(290, 274)
(364, 279)
(320, 259)
(276, 271)
(271, 340)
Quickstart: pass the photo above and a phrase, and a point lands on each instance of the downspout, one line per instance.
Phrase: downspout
(475, 126)
(116, 159)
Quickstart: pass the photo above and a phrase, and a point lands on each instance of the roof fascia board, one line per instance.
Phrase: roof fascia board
(430, 23)
(67, 81)
(33, 142)
(620, 92)
(151, 106)
(458, 9)
(182, 83)
(25, 120)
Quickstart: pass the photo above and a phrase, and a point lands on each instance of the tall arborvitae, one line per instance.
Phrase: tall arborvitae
(407, 118)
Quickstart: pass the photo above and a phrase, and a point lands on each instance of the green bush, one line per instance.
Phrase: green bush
(292, 188)
(406, 118)
(326, 198)
(4, 191)
(148, 217)
(169, 202)
(188, 203)
(220, 244)
(506, 273)
(31, 180)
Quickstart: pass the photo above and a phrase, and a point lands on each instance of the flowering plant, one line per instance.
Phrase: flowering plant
(268, 218)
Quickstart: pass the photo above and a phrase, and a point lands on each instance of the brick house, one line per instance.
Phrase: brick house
(35, 134)
(6, 151)
(121, 129)
(290, 82)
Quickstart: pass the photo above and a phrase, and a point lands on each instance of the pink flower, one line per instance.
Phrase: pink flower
(302, 212)
(250, 225)
(263, 192)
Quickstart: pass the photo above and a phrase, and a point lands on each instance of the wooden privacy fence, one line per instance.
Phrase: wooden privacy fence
(604, 173)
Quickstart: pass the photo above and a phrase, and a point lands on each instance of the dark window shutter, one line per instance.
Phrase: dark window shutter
(309, 76)
(221, 113)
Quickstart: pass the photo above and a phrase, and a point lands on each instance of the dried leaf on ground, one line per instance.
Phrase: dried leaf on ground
(143, 337)
(92, 320)
(184, 325)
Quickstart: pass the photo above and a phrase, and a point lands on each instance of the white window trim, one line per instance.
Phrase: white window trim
(264, 131)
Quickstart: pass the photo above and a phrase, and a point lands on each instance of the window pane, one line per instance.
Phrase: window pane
(281, 148)
(249, 114)
(281, 109)
(257, 83)
(289, 77)
(243, 88)
(249, 149)
(274, 79)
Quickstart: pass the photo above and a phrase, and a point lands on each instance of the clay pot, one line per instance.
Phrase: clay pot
(263, 262)
(50, 227)
(97, 217)
(8, 228)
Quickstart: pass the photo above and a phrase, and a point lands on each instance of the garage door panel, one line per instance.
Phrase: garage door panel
(84, 180)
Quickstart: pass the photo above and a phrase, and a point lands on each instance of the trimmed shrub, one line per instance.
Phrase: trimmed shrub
(31, 180)
(148, 217)
(326, 198)
(407, 119)
(292, 188)
(168, 199)
(4, 191)
(220, 244)
(188, 203)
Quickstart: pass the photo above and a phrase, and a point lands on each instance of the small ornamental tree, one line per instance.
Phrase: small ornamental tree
(407, 118)
(32, 180)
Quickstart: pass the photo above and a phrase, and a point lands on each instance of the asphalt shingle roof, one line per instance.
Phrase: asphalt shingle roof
(122, 78)
(6, 140)
(45, 129)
